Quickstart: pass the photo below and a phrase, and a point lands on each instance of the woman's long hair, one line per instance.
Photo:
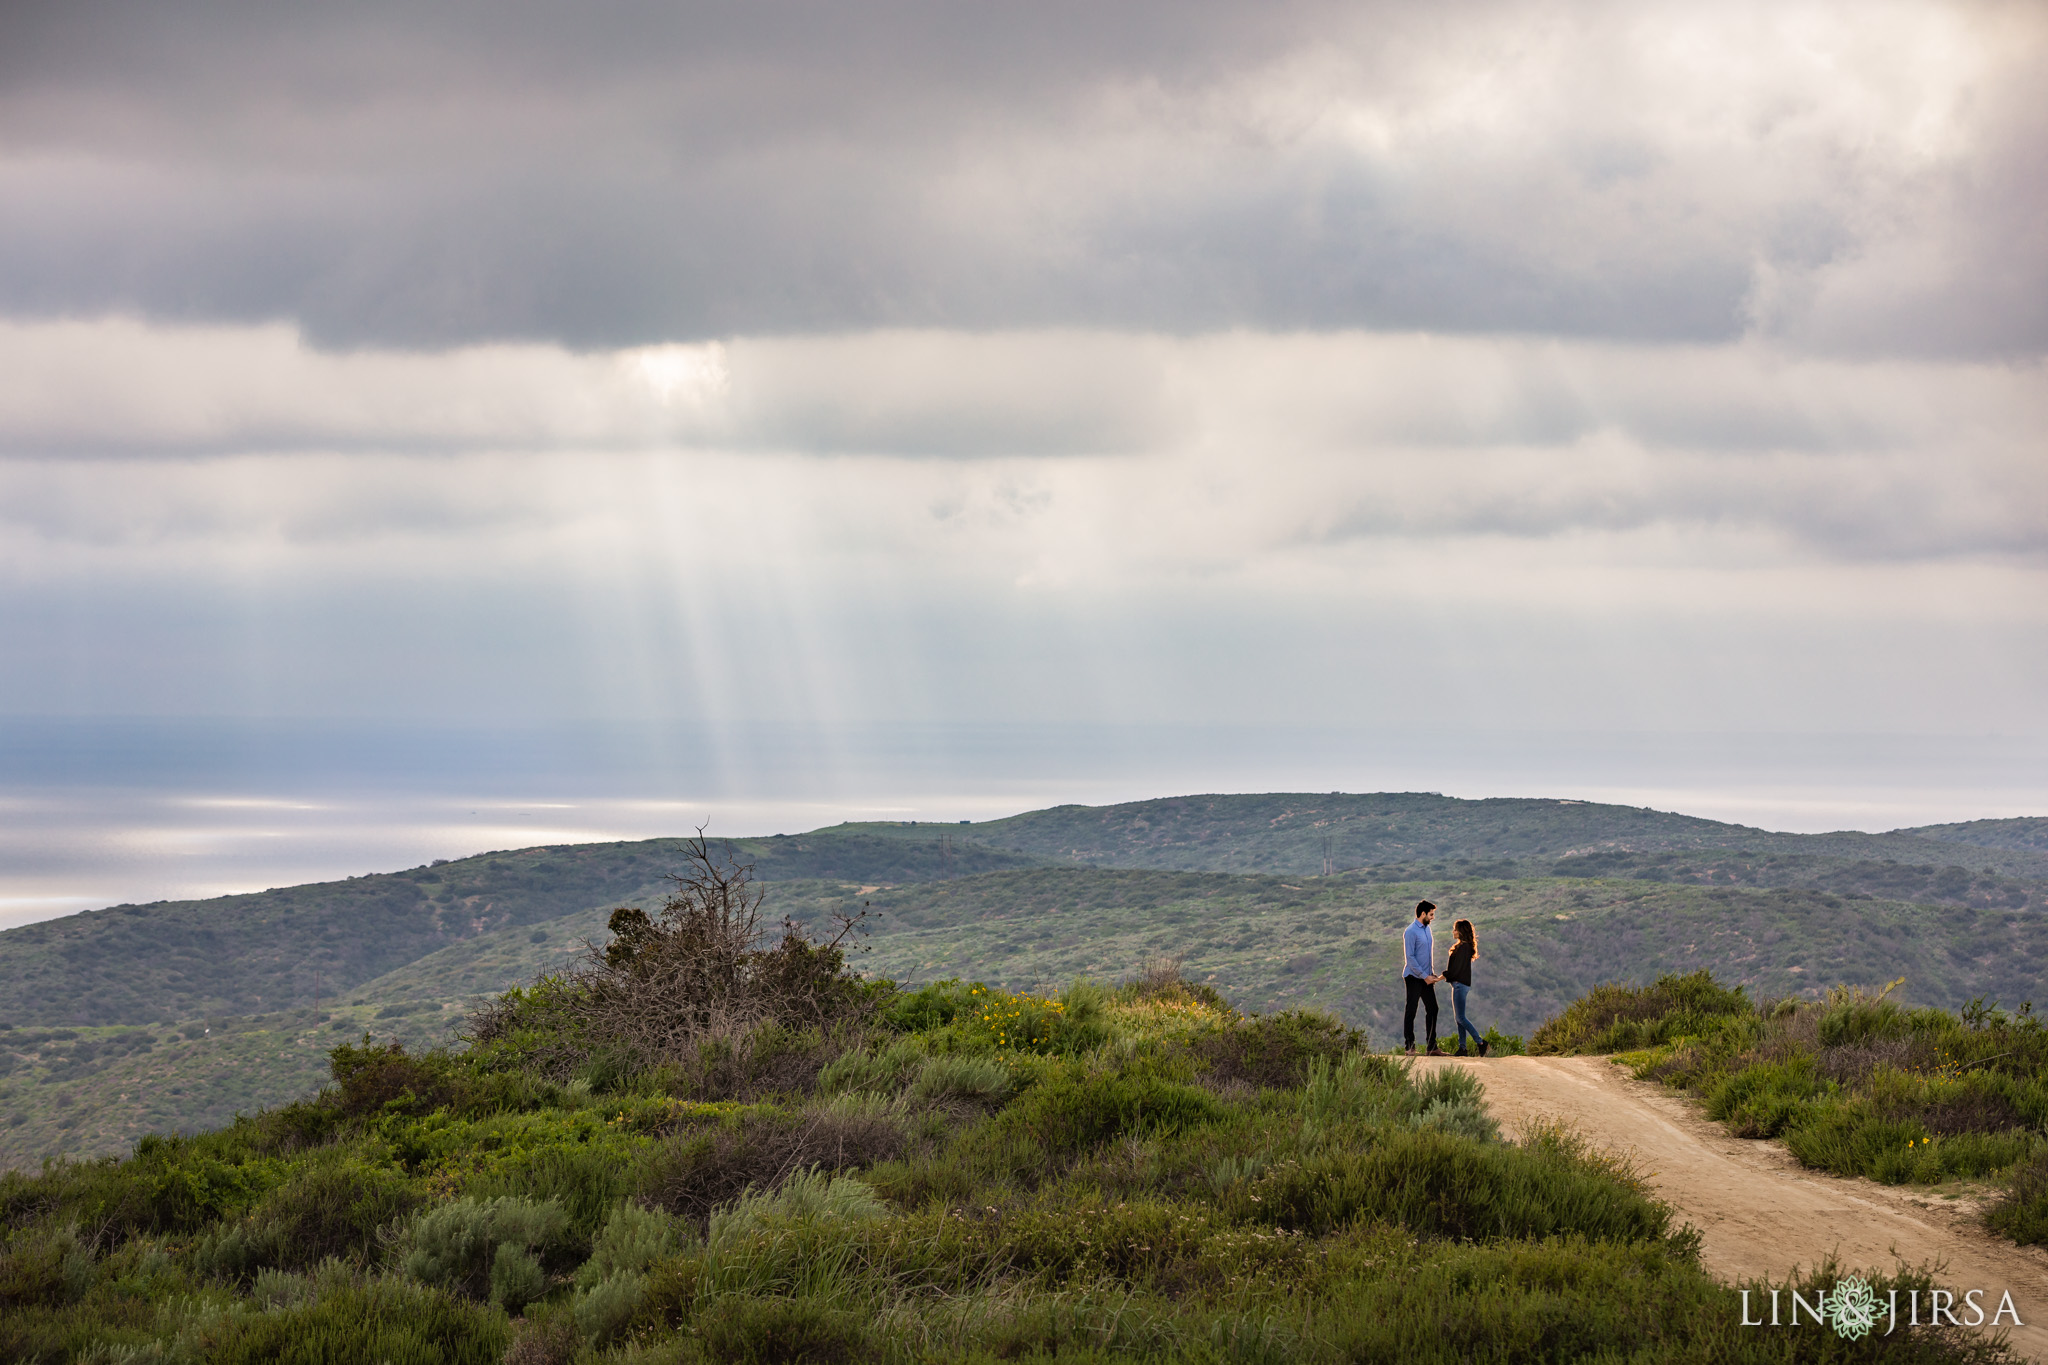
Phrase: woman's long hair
(1463, 930)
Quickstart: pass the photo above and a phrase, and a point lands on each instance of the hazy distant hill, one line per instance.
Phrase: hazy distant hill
(1293, 833)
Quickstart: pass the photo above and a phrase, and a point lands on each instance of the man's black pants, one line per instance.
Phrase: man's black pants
(1424, 993)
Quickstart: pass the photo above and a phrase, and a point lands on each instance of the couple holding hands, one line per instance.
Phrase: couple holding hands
(1420, 977)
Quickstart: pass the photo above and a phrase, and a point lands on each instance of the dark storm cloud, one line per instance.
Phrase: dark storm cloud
(614, 174)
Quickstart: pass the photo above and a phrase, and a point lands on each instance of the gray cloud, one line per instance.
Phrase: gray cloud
(1132, 452)
(1846, 178)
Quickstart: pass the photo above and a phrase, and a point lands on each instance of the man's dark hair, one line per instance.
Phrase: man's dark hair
(1421, 906)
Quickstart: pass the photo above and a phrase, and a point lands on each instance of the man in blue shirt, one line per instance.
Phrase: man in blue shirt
(1418, 953)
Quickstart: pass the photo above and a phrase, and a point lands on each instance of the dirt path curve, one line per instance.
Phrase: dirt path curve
(1758, 1211)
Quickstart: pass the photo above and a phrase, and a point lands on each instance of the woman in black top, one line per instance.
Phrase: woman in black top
(1459, 973)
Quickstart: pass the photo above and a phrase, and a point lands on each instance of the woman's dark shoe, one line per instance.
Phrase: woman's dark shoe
(1482, 1047)
(1461, 1053)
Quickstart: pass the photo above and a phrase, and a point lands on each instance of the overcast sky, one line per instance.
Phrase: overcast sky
(1533, 367)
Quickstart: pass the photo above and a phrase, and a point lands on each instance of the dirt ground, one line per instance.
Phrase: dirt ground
(1758, 1211)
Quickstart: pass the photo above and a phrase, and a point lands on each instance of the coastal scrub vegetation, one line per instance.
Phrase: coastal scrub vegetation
(710, 1143)
(1855, 1083)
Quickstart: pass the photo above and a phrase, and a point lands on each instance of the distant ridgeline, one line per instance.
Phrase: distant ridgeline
(175, 1015)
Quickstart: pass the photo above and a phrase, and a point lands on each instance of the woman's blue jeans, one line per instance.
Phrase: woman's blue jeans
(1458, 990)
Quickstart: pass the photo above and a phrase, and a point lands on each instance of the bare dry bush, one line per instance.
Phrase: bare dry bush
(701, 987)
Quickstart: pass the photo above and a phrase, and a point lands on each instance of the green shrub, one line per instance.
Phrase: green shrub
(486, 1248)
(1765, 1099)
(1021, 1023)
(882, 1071)
(1065, 1116)
(1274, 1051)
(696, 1170)
(2021, 1211)
(585, 1181)
(912, 1184)
(782, 1331)
(306, 1123)
(374, 1079)
(279, 1289)
(607, 1307)
(44, 1267)
(1853, 1139)
(1617, 1018)
(170, 1185)
(632, 1239)
(333, 1207)
(931, 1007)
(804, 1196)
(1365, 1090)
(487, 1092)
(553, 1341)
(1452, 1101)
(679, 988)
(374, 1320)
(1500, 1044)
(517, 1278)
(1439, 1185)
(1083, 1023)
(1360, 1089)
(608, 1070)
(1854, 1018)
(1071, 1237)
(963, 1077)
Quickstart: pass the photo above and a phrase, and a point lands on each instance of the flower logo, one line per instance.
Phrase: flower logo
(1852, 1308)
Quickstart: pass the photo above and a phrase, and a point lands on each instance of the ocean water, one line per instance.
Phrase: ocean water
(102, 812)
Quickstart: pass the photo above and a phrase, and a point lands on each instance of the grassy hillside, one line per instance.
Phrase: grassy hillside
(1922, 883)
(296, 946)
(852, 1174)
(94, 1091)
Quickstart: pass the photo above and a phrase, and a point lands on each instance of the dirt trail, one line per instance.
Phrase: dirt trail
(1758, 1211)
